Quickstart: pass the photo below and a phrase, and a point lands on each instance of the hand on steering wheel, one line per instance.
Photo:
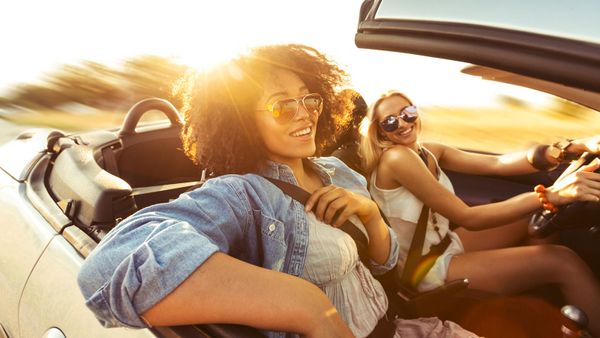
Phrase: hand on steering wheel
(578, 191)
(590, 145)
(581, 185)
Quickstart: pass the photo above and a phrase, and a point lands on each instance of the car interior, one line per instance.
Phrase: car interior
(102, 177)
(84, 184)
(105, 176)
(99, 178)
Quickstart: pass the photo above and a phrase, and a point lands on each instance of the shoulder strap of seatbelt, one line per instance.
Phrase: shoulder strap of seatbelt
(302, 196)
(416, 250)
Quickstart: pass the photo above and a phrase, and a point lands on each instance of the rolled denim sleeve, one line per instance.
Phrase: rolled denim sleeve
(379, 269)
(149, 254)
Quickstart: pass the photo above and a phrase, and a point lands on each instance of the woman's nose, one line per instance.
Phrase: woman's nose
(402, 123)
(302, 113)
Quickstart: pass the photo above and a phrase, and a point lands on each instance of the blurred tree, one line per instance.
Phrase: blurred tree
(97, 85)
(90, 83)
(562, 108)
(37, 96)
(512, 101)
(5, 102)
(152, 76)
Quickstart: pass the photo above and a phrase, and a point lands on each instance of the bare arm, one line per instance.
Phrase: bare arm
(515, 163)
(226, 290)
(482, 164)
(405, 168)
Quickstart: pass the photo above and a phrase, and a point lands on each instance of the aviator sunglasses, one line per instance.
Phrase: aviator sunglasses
(285, 110)
(408, 114)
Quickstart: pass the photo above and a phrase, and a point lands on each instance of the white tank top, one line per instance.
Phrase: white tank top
(403, 209)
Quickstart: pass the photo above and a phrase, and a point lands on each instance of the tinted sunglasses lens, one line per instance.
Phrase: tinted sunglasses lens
(390, 124)
(409, 114)
(313, 103)
(284, 111)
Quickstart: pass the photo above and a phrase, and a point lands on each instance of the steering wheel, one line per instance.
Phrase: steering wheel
(574, 215)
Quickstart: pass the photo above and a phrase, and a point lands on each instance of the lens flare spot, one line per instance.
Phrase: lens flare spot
(422, 269)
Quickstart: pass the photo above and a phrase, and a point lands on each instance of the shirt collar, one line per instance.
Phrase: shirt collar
(284, 172)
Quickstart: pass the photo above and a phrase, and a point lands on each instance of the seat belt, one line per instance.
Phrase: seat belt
(416, 247)
(302, 196)
(408, 277)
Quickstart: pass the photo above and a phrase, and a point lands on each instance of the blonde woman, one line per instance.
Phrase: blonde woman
(405, 174)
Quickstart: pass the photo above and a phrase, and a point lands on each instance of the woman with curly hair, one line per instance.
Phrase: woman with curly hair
(238, 249)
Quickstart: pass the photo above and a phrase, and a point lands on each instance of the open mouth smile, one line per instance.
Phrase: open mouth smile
(407, 131)
(302, 132)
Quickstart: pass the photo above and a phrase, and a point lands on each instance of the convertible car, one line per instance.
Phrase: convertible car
(60, 193)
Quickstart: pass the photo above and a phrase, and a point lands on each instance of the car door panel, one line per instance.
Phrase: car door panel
(25, 234)
(52, 298)
(476, 189)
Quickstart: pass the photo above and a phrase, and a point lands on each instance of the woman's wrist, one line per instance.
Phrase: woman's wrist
(540, 159)
(553, 196)
(328, 324)
(543, 196)
(548, 157)
(565, 150)
(372, 218)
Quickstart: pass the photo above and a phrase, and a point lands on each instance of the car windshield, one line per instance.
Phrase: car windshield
(465, 107)
(579, 21)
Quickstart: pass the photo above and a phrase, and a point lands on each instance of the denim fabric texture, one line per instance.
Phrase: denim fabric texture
(150, 253)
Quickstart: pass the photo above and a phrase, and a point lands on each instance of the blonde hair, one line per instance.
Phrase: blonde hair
(372, 143)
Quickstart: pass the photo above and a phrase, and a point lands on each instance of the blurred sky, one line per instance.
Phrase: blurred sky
(38, 36)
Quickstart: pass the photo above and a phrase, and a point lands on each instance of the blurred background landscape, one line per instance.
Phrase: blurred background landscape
(77, 66)
(92, 95)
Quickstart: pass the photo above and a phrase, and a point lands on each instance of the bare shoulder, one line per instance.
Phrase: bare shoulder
(436, 148)
(397, 153)
(397, 157)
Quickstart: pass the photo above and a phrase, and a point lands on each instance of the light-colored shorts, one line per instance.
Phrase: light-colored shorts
(436, 276)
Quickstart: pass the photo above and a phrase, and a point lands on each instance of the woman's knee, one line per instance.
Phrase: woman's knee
(559, 259)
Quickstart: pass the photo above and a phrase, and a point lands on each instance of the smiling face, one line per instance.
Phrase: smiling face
(407, 132)
(291, 141)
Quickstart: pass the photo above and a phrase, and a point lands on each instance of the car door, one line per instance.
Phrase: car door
(25, 234)
(40, 252)
(52, 300)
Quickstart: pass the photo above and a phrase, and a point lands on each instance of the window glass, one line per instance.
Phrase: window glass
(578, 21)
(472, 113)
(514, 123)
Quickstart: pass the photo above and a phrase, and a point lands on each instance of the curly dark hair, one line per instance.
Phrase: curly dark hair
(218, 105)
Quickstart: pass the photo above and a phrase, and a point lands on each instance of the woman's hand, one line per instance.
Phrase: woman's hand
(589, 144)
(581, 185)
(334, 205)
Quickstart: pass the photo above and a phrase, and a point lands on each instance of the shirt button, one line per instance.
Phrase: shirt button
(272, 227)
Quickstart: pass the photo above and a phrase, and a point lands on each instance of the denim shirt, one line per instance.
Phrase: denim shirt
(149, 254)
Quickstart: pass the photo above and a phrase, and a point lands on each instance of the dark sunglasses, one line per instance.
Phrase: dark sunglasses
(391, 122)
(285, 110)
